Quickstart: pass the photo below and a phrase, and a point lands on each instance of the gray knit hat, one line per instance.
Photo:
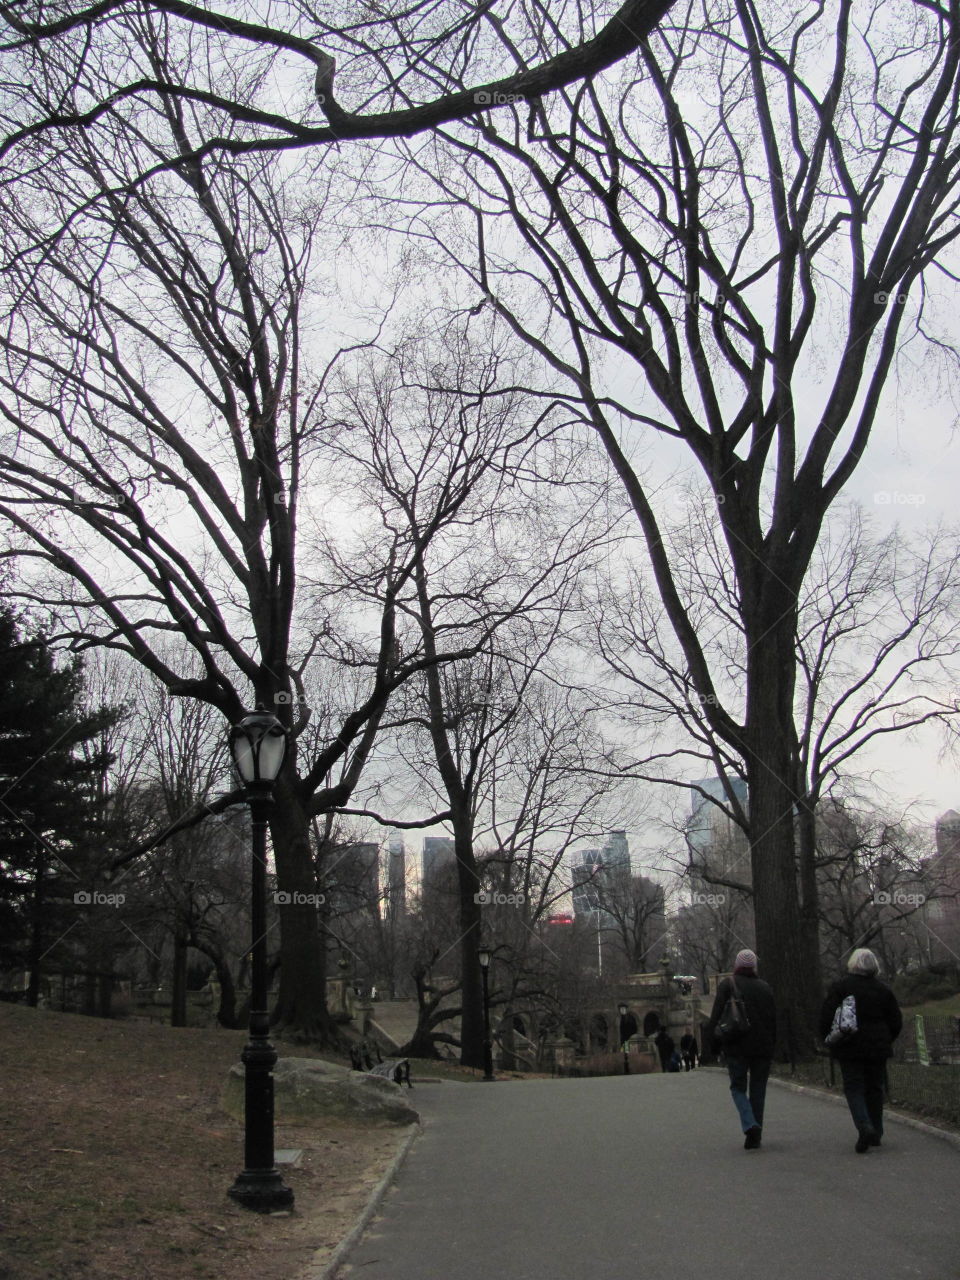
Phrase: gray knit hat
(746, 961)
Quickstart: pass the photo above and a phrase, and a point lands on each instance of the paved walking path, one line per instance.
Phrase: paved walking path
(614, 1178)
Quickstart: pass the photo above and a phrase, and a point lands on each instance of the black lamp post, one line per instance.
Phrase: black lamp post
(483, 954)
(624, 1036)
(258, 745)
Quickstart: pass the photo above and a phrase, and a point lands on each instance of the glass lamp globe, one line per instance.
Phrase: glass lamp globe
(258, 745)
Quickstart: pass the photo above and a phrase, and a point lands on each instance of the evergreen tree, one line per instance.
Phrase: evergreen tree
(51, 767)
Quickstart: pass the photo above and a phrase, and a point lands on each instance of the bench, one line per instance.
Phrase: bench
(395, 1069)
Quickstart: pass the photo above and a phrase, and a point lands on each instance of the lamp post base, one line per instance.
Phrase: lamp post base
(262, 1190)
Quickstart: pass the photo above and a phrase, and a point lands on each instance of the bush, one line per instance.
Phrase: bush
(925, 984)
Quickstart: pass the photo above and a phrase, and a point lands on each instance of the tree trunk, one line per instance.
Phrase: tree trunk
(89, 990)
(105, 994)
(227, 1012)
(178, 989)
(772, 804)
(36, 935)
(809, 906)
(301, 1007)
(423, 1042)
(471, 982)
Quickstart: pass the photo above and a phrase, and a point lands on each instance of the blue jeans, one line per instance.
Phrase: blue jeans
(748, 1099)
(863, 1086)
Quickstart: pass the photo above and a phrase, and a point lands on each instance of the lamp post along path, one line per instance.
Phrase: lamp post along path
(258, 745)
(483, 955)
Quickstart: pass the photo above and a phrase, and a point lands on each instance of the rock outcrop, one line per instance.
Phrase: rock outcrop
(309, 1088)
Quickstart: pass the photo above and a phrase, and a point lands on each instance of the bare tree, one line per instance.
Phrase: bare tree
(498, 581)
(637, 919)
(872, 881)
(539, 792)
(713, 221)
(876, 652)
(404, 71)
(161, 418)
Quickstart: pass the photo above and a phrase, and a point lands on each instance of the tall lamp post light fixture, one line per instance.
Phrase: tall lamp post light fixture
(483, 955)
(258, 745)
(624, 1036)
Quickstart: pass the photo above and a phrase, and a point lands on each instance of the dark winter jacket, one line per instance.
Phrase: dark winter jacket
(761, 1011)
(878, 1017)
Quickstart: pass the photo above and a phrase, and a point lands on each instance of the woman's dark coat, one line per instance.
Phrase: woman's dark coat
(761, 1011)
(879, 1019)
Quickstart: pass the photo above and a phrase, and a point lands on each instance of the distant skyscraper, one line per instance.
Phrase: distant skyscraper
(600, 871)
(948, 834)
(438, 855)
(353, 878)
(941, 912)
(708, 825)
(396, 877)
(615, 855)
(586, 882)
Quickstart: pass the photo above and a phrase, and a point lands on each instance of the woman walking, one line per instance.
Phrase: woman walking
(863, 1053)
(748, 1059)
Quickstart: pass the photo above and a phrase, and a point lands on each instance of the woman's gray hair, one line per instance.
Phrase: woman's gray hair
(863, 961)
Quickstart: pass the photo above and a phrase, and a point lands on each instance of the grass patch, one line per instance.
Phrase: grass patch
(117, 1158)
(929, 1093)
(946, 1008)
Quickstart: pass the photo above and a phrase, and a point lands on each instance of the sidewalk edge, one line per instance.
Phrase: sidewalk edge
(339, 1255)
(922, 1125)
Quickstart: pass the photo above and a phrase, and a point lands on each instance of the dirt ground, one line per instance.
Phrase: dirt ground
(116, 1158)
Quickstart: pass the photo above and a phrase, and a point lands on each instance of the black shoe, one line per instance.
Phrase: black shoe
(752, 1138)
(868, 1138)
